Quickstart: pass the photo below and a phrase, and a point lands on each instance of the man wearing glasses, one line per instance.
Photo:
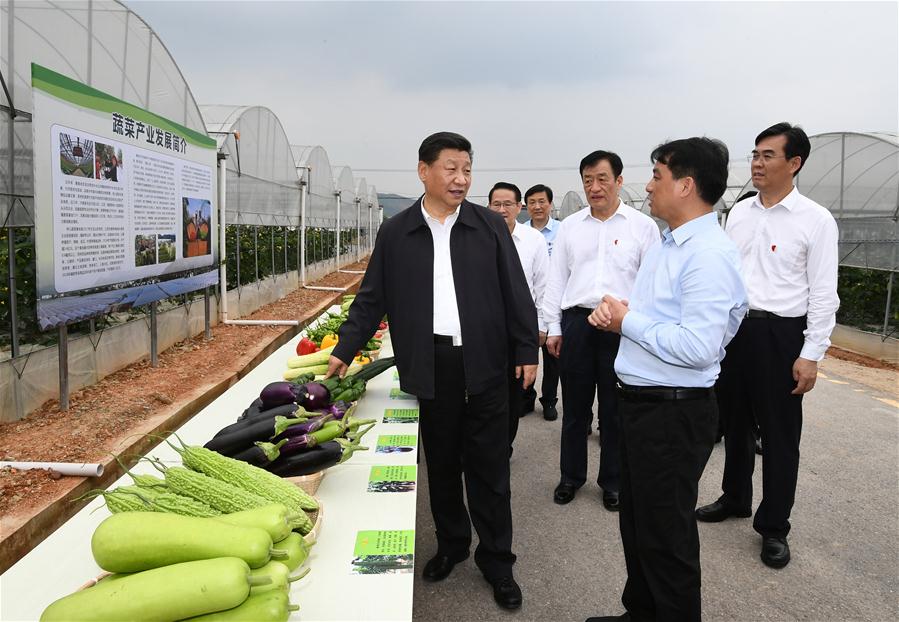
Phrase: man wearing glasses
(788, 250)
(539, 202)
(505, 199)
(597, 252)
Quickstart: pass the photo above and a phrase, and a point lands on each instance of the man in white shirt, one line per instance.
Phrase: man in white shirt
(505, 199)
(539, 202)
(788, 250)
(597, 252)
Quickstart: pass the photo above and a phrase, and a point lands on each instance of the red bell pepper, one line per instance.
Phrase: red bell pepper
(306, 346)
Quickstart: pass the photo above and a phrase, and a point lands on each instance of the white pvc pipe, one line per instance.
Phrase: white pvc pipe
(64, 468)
(263, 322)
(223, 258)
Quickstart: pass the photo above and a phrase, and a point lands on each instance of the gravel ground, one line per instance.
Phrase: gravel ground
(844, 539)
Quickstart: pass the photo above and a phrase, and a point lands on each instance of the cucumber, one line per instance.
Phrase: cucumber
(168, 593)
(135, 541)
(279, 575)
(296, 548)
(272, 518)
(267, 607)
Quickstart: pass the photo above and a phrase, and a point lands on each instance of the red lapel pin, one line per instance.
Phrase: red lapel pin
(773, 247)
(616, 242)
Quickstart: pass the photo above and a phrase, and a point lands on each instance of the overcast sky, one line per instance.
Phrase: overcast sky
(536, 85)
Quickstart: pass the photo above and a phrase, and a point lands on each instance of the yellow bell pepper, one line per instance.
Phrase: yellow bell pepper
(328, 341)
(362, 359)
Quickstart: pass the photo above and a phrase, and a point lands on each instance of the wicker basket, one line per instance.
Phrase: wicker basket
(316, 518)
(308, 483)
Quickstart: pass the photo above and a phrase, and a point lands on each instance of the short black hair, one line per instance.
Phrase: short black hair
(598, 156)
(539, 188)
(704, 159)
(431, 146)
(504, 185)
(797, 141)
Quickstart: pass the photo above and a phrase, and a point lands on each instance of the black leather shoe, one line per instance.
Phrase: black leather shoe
(439, 567)
(623, 616)
(775, 552)
(718, 511)
(610, 500)
(550, 413)
(527, 409)
(506, 592)
(564, 493)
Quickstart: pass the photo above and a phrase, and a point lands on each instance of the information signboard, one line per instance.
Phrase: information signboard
(125, 208)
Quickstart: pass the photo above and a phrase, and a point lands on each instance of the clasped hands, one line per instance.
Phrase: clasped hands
(609, 314)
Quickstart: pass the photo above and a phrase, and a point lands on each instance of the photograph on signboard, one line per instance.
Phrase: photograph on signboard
(76, 155)
(109, 162)
(144, 250)
(197, 222)
(165, 250)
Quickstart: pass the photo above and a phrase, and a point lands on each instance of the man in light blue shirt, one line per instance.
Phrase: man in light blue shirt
(539, 202)
(686, 304)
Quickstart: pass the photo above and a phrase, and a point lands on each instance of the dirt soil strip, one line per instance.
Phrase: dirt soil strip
(115, 415)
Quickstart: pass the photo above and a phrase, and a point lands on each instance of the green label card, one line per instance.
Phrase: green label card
(400, 415)
(384, 552)
(399, 394)
(392, 478)
(396, 443)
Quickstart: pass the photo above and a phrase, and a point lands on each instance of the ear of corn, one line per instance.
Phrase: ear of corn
(221, 495)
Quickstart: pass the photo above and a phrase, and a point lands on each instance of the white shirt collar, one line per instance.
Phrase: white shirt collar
(427, 216)
(588, 213)
(788, 201)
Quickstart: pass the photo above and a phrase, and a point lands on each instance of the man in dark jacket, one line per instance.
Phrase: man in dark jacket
(446, 273)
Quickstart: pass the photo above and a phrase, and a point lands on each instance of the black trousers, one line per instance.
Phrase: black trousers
(517, 396)
(756, 378)
(468, 435)
(664, 449)
(550, 385)
(587, 365)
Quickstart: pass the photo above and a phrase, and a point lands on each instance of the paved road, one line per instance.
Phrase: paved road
(845, 537)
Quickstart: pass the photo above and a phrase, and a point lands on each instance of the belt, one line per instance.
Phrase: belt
(579, 310)
(662, 394)
(756, 314)
(447, 340)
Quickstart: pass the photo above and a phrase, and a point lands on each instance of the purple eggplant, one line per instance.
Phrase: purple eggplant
(337, 409)
(307, 462)
(255, 455)
(285, 428)
(315, 459)
(251, 414)
(240, 438)
(312, 395)
(277, 394)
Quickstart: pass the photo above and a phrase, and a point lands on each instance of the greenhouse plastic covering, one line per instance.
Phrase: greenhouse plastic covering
(102, 44)
(856, 177)
(262, 184)
(571, 203)
(313, 161)
(346, 186)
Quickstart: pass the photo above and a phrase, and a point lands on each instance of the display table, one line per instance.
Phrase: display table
(353, 576)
